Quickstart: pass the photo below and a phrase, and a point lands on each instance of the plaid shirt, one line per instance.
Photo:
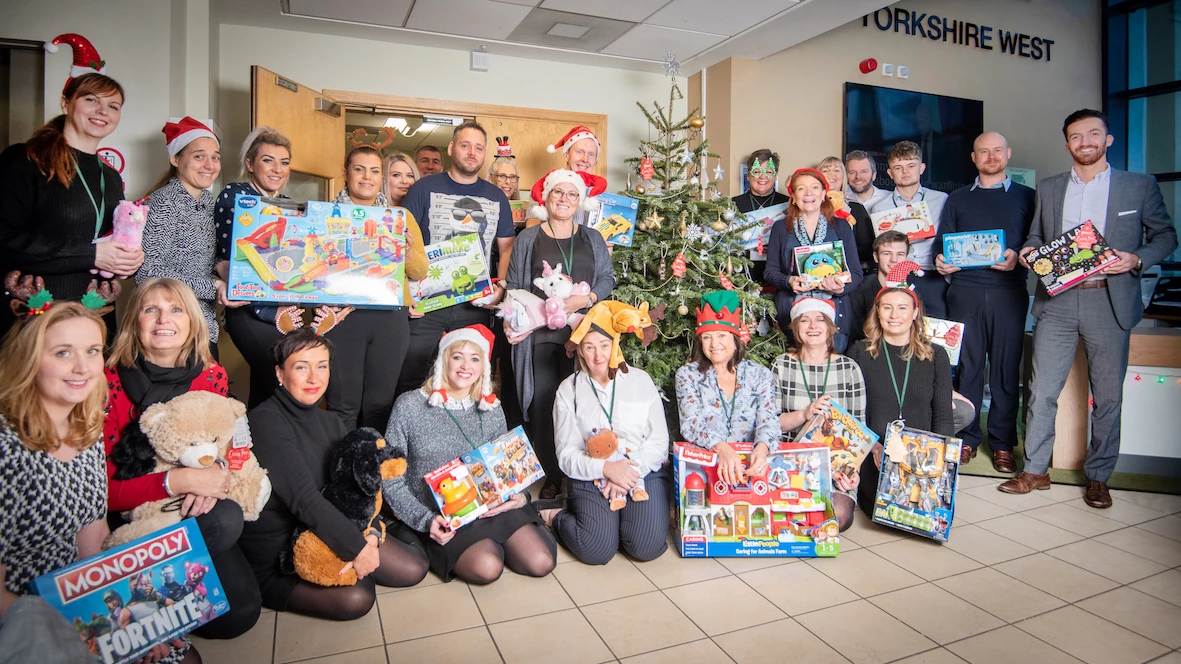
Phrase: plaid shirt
(845, 384)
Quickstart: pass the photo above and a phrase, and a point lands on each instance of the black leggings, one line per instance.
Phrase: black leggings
(366, 364)
(550, 368)
(253, 337)
(221, 528)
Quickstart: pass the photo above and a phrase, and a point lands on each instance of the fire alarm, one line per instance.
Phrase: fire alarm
(867, 65)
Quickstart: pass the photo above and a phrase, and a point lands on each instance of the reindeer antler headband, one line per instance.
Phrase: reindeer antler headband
(31, 298)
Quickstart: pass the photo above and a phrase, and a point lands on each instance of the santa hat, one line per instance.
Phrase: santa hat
(896, 279)
(503, 149)
(179, 132)
(481, 337)
(719, 311)
(808, 303)
(86, 59)
(588, 186)
(573, 136)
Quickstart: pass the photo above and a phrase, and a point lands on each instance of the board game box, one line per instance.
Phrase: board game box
(817, 261)
(458, 273)
(787, 511)
(760, 233)
(317, 253)
(466, 487)
(146, 592)
(847, 438)
(916, 488)
(1070, 258)
(615, 218)
(974, 249)
(914, 219)
(946, 333)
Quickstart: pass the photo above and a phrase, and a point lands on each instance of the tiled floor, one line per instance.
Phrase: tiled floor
(1037, 578)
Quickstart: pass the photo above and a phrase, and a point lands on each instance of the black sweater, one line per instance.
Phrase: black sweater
(981, 209)
(927, 402)
(294, 443)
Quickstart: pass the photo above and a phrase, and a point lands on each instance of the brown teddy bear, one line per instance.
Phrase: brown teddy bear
(604, 444)
(193, 430)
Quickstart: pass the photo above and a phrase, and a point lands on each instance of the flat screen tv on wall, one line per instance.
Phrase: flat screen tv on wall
(944, 127)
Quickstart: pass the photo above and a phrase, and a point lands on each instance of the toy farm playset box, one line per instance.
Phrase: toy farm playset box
(457, 273)
(283, 252)
(468, 486)
(787, 511)
(916, 488)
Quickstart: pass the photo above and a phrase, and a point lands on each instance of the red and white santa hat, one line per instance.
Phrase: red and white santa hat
(808, 303)
(179, 132)
(587, 184)
(573, 136)
(896, 278)
(86, 59)
(482, 338)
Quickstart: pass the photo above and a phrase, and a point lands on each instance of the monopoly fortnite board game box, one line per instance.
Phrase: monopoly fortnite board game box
(846, 437)
(787, 511)
(458, 273)
(328, 253)
(817, 261)
(615, 218)
(1070, 258)
(466, 487)
(914, 219)
(916, 488)
(146, 592)
(974, 249)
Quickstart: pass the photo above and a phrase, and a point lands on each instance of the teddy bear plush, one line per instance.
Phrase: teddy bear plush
(557, 287)
(604, 444)
(360, 462)
(193, 430)
(128, 228)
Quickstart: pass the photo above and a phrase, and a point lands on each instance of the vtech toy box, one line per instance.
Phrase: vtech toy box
(135, 596)
(785, 512)
(916, 488)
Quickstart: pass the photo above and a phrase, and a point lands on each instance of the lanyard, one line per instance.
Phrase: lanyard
(727, 409)
(827, 366)
(479, 416)
(760, 204)
(568, 258)
(894, 197)
(610, 414)
(100, 212)
(905, 380)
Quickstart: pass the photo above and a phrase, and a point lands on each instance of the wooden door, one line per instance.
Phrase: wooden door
(313, 122)
(529, 139)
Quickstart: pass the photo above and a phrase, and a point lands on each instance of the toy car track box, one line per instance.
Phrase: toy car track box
(457, 273)
(974, 249)
(914, 219)
(130, 598)
(503, 467)
(846, 437)
(817, 261)
(946, 333)
(1070, 258)
(615, 218)
(787, 511)
(318, 253)
(916, 488)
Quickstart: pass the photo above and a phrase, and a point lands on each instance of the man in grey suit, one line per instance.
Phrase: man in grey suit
(1128, 211)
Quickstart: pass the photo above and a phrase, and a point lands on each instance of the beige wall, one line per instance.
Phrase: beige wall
(793, 101)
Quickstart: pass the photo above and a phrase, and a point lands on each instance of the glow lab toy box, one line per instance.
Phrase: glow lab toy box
(317, 253)
(135, 596)
(785, 512)
(1071, 257)
(916, 488)
(457, 274)
(466, 487)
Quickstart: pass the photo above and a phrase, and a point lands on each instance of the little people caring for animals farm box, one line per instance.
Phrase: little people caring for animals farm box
(284, 252)
(786, 511)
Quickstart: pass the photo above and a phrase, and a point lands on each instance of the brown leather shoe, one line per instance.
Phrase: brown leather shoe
(1025, 482)
(967, 454)
(1097, 494)
(1003, 462)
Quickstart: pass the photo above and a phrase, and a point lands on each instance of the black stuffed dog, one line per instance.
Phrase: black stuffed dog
(360, 462)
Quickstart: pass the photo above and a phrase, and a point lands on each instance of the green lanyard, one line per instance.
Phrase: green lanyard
(569, 258)
(100, 211)
(905, 380)
(479, 416)
(610, 414)
(727, 409)
(808, 388)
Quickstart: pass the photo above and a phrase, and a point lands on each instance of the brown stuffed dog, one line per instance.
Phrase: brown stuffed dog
(360, 462)
(604, 444)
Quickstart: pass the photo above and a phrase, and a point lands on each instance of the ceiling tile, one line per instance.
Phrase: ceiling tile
(471, 18)
(620, 10)
(726, 18)
(523, 3)
(651, 42)
(536, 26)
(376, 12)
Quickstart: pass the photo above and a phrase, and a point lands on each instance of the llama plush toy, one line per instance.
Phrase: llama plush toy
(129, 222)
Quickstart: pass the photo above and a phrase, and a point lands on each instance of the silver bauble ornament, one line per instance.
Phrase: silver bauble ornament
(728, 215)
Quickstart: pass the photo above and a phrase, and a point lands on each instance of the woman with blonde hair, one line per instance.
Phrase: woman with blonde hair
(848, 207)
(400, 174)
(504, 174)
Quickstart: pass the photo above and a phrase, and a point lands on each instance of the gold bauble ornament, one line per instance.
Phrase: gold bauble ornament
(683, 310)
(718, 225)
(697, 123)
(639, 188)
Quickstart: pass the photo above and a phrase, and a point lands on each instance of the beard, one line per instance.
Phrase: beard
(994, 168)
(862, 189)
(1087, 160)
(463, 170)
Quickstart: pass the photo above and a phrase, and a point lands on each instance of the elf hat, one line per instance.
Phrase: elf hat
(588, 185)
(720, 311)
(896, 279)
(807, 303)
(573, 136)
(482, 337)
(86, 58)
(179, 132)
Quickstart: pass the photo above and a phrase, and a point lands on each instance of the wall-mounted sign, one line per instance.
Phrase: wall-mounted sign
(964, 33)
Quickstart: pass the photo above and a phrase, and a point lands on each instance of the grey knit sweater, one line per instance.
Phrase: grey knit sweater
(427, 437)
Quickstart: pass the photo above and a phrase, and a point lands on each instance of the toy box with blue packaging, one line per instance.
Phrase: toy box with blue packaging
(918, 480)
(786, 511)
(466, 487)
(317, 253)
(130, 598)
(974, 249)
(615, 218)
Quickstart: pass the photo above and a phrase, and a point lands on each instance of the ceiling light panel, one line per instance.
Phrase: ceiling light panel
(568, 31)
(471, 18)
(537, 28)
(651, 43)
(726, 18)
(377, 12)
(621, 10)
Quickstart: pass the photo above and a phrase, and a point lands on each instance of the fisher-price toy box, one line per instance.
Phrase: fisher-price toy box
(284, 252)
(466, 487)
(457, 273)
(787, 511)
(130, 598)
(918, 480)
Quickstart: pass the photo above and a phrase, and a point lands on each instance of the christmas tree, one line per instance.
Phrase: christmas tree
(689, 242)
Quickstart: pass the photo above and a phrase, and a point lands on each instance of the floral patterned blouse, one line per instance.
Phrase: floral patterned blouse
(753, 417)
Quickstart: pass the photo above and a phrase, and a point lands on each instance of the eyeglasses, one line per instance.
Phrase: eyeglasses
(508, 178)
(762, 173)
(568, 195)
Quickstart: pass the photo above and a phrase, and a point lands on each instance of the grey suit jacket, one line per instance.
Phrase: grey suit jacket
(1137, 221)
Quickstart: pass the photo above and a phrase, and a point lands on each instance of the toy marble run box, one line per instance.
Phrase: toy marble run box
(466, 487)
(916, 488)
(787, 511)
(284, 252)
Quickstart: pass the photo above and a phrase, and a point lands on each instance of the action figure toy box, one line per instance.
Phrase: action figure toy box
(974, 249)
(916, 488)
(317, 253)
(846, 437)
(466, 487)
(787, 511)
(132, 597)
(914, 219)
(817, 261)
(615, 218)
(946, 333)
(1070, 258)
(458, 273)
